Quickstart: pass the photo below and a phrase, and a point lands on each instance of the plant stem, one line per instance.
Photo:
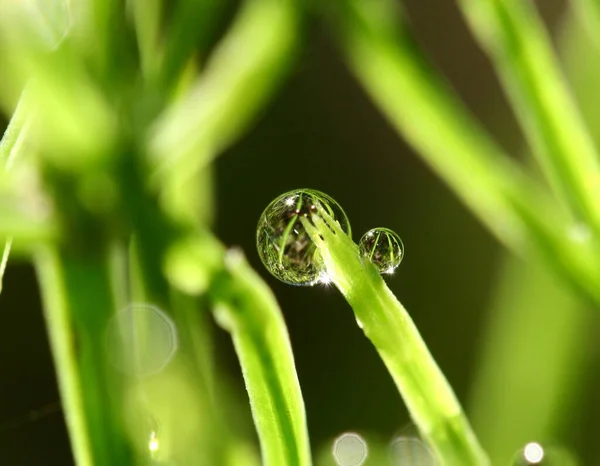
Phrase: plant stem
(428, 396)
(247, 308)
(78, 302)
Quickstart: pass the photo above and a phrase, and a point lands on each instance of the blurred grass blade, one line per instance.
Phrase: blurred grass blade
(11, 142)
(532, 366)
(78, 302)
(426, 393)
(589, 15)
(147, 15)
(513, 35)
(246, 307)
(420, 106)
(189, 31)
(239, 77)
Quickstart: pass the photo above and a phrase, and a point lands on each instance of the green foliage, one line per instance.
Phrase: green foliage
(114, 129)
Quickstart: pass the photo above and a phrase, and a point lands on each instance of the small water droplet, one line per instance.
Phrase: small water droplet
(141, 340)
(359, 323)
(411, 451)
(383, 248)
(350, 449)
(284, 245)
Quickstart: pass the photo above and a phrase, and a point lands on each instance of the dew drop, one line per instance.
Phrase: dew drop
(284, 245)
(141, 340)
(383, 248)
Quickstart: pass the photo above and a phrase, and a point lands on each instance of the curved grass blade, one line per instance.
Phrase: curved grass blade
(428, 396)
(246, 307)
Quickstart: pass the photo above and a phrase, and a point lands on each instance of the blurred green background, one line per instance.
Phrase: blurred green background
(322, 132)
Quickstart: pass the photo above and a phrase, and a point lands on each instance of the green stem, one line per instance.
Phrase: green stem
(78, 303)
(247, 308)
(428, 396)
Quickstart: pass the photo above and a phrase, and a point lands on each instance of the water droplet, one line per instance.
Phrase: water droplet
(359, 323)
(141, 340)
(350, 449)
(284, 245)
(411, 451)
(383, 248)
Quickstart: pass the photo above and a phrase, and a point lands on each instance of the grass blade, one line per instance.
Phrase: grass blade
(428, 396)
(529, 394)
(247, 308)
(514, 37)
(239, 77)
(78, 302)
(421, 107)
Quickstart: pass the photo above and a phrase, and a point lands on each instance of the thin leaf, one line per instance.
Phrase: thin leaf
(427, 394)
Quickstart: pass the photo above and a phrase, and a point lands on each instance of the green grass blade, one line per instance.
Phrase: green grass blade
(532, 363)
(428, 396)
(188, 32)
(514, 37)
(78, 302)
(247, 308)
(147, 16)
(239, 77)
(421, 107)
(10, 145)
(589, 15)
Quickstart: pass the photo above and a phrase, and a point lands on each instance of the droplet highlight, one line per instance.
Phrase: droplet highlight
(350, 449)
(383, 248)
(284, 246)
(141, 340)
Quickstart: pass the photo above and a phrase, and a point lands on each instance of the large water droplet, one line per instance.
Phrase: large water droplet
(141, 340)
(284, 245)
(383, 248)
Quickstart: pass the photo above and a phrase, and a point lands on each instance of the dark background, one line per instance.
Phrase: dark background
(320, 132)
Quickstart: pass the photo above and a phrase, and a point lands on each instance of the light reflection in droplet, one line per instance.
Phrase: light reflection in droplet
(412, 451)
(141, 340)
(533, 453)
(350, 449)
